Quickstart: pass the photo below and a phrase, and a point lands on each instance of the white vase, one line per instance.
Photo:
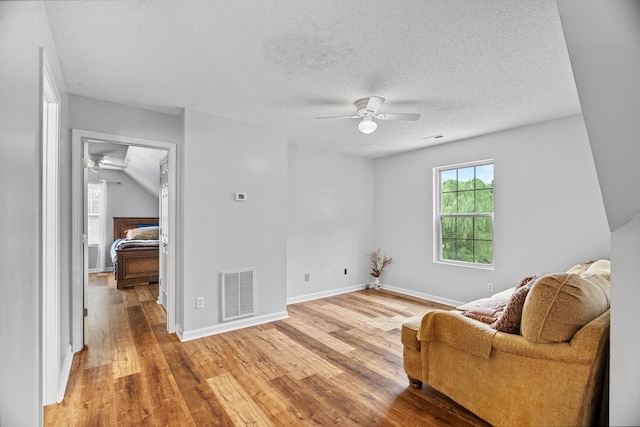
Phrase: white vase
(376, 283)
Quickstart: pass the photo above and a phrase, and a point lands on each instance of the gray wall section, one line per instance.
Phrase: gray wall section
(603, 39)
(329, 222)
(224, 156)
(125, 199)
(548, 209)
(24, 29)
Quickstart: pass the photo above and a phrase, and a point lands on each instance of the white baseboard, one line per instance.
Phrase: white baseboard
(95, 270)
(230, 326)
(324, 294)
(429, 297)
(65, 373)
(392, 288)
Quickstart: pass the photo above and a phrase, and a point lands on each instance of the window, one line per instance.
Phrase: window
(464, 214)
(94, 198)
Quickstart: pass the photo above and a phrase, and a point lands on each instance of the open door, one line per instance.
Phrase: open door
(163, 293)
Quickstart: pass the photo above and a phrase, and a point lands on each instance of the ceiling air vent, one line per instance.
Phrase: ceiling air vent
(238, 292)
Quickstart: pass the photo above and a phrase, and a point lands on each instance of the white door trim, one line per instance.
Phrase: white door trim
(50, 192)
(78, 136)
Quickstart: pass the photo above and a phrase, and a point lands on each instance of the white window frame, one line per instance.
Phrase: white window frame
(91, 214)
(438, 215)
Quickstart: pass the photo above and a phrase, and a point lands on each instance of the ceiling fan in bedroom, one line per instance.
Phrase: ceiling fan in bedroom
(95, 163)
(367, 110)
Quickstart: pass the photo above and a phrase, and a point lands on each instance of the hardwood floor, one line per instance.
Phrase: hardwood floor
(335, 361)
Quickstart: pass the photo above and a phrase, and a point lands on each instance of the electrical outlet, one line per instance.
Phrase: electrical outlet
(306, 277)
(327, 274)
(200, 302)
(489, 287)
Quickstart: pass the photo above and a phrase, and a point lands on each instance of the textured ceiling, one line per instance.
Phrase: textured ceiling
(469, 67)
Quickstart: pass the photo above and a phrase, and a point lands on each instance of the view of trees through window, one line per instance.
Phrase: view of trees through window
(466, 214)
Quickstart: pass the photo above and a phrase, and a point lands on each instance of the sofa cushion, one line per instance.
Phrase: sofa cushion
(487, 312)
(558, 305)
(472, 304)
(509, 320)
(504, 295)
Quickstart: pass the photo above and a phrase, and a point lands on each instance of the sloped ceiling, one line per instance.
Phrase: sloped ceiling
(603, 40)
(469, 67)
(142, 164)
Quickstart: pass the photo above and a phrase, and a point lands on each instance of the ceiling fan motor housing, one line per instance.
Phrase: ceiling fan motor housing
(361, 106)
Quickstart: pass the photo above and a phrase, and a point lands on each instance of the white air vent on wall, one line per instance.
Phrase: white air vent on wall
(238, 294)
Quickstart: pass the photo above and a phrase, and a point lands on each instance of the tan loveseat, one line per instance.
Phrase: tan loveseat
(550, 373)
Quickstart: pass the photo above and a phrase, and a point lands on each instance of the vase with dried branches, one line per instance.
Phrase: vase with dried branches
(378, 264)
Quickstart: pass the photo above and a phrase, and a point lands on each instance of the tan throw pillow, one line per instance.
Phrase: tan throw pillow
(558, 305)
(488, 312)
(509, 320)
(146, 233)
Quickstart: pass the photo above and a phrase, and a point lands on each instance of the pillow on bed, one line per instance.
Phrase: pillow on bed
(146, 233)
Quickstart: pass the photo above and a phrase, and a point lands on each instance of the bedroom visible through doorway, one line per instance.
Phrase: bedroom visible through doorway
(123, 175)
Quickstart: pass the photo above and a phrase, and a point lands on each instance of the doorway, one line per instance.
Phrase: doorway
(80, 141)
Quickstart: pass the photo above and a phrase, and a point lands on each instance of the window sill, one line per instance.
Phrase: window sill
(465, 264)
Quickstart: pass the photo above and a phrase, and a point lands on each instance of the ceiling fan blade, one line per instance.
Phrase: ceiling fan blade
(338, 117)
(397, 116)
(107, 162)
(110, 166)
(374, 103)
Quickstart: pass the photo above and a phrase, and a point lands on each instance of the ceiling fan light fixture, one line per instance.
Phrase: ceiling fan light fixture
(367, 125)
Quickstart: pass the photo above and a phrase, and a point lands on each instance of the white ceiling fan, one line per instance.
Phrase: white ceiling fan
(95, 163)
(367, 110)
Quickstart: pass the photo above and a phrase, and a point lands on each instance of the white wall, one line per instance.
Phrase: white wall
(125, 199)
(603, 39)
(330, 221)
(221, 157)
(625, 342)
(24, 29)
(548, 210)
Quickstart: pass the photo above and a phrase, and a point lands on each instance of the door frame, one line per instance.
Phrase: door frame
(52, 386)
(78, 140)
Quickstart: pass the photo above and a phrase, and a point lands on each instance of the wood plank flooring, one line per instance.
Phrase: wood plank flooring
(335, 361)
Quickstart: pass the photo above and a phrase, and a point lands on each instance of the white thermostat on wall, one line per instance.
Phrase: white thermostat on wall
(241, 197)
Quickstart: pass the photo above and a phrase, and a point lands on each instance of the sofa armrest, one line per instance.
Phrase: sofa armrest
(480, 339)
(458, 331)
